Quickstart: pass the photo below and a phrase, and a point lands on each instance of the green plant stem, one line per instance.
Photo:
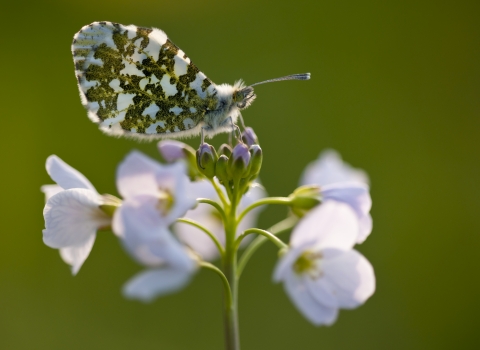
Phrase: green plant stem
(232, 340)
(204, 229)
(276, 229)
(226, 285)
(215, 205)
(279, 243)
(264, 201)
(220, 193)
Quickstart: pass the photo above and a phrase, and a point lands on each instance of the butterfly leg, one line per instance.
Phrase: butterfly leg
(242, 123)
(202, 133)
(235, 130)
(202, 138)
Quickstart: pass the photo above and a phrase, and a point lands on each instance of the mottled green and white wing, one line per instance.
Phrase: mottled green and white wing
(135, 82)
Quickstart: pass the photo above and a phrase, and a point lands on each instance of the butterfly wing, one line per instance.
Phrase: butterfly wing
(134, 81)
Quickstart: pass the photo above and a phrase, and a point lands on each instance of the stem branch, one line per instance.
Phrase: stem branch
(204, 229)
(215, 205)
(220, 193)
(278, 242)
(226, 285)
(264, 201)
(276, 229)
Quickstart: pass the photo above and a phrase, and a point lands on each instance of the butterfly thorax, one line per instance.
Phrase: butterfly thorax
(230, 101)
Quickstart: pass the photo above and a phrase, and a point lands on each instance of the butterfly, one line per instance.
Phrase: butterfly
(135, 82)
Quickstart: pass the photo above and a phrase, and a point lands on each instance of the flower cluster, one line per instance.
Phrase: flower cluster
(200, 207)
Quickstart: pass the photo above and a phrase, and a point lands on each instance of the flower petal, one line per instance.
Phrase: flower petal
(205, 215)
(196, 239)
(150, 284)
(320, 290)
(72, 217)
(299, 294)
(136, 175)
(147, 238)
(255, 193)
(365, 225)
(172, 150)
(350, 277)
(331, 224)
(50, 190)
(139, 175)
(173, 179)
(66, 176)
(76, 255)
(358, 197)
(330, 168)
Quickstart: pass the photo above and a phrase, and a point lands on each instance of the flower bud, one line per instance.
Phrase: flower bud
(249, 136)
(221, 169)
(239, 161)
(225, 149)
(206, 160)
(255, 160)
(305, 198)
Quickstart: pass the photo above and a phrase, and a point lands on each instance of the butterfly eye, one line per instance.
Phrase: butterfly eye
(238, 96)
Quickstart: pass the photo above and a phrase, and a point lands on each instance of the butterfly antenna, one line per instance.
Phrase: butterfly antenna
(304, 76)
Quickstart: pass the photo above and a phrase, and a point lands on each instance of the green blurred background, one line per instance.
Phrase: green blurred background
(395, 88)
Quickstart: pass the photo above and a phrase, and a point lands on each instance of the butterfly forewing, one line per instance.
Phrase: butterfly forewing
(135, 81)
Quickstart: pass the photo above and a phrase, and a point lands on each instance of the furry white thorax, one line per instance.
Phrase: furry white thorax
(226, 114)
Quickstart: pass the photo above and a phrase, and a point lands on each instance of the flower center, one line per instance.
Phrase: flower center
(165, 201)
(309, 262)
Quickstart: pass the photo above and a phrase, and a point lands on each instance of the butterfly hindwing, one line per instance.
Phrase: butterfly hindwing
(134, 81)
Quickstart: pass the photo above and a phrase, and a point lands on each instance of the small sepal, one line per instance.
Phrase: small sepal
(221, 170)
(256, 159)
(226, 150)
(305, 198)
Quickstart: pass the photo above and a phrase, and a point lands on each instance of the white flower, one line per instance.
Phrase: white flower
(162, 188)
(330, 168)
(155, 195)
(72, 214)
(341, 182)
(209, 217)
(321, 272)
(148, 240)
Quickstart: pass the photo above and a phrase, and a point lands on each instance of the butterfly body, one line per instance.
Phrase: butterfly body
(135, 82)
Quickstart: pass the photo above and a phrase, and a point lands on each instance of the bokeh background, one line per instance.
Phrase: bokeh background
(395, 88)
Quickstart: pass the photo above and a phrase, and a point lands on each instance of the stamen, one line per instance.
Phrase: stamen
(308, 263)
(165, 201)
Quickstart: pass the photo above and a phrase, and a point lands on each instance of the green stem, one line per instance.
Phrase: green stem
(276, 229)
(226, 285)
(264, 201)
(263, 233)
(220, 193)
(215, 205)
(204, 229)
(232, 340)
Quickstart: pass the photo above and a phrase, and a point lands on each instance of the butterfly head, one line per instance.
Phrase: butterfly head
(244, 96)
